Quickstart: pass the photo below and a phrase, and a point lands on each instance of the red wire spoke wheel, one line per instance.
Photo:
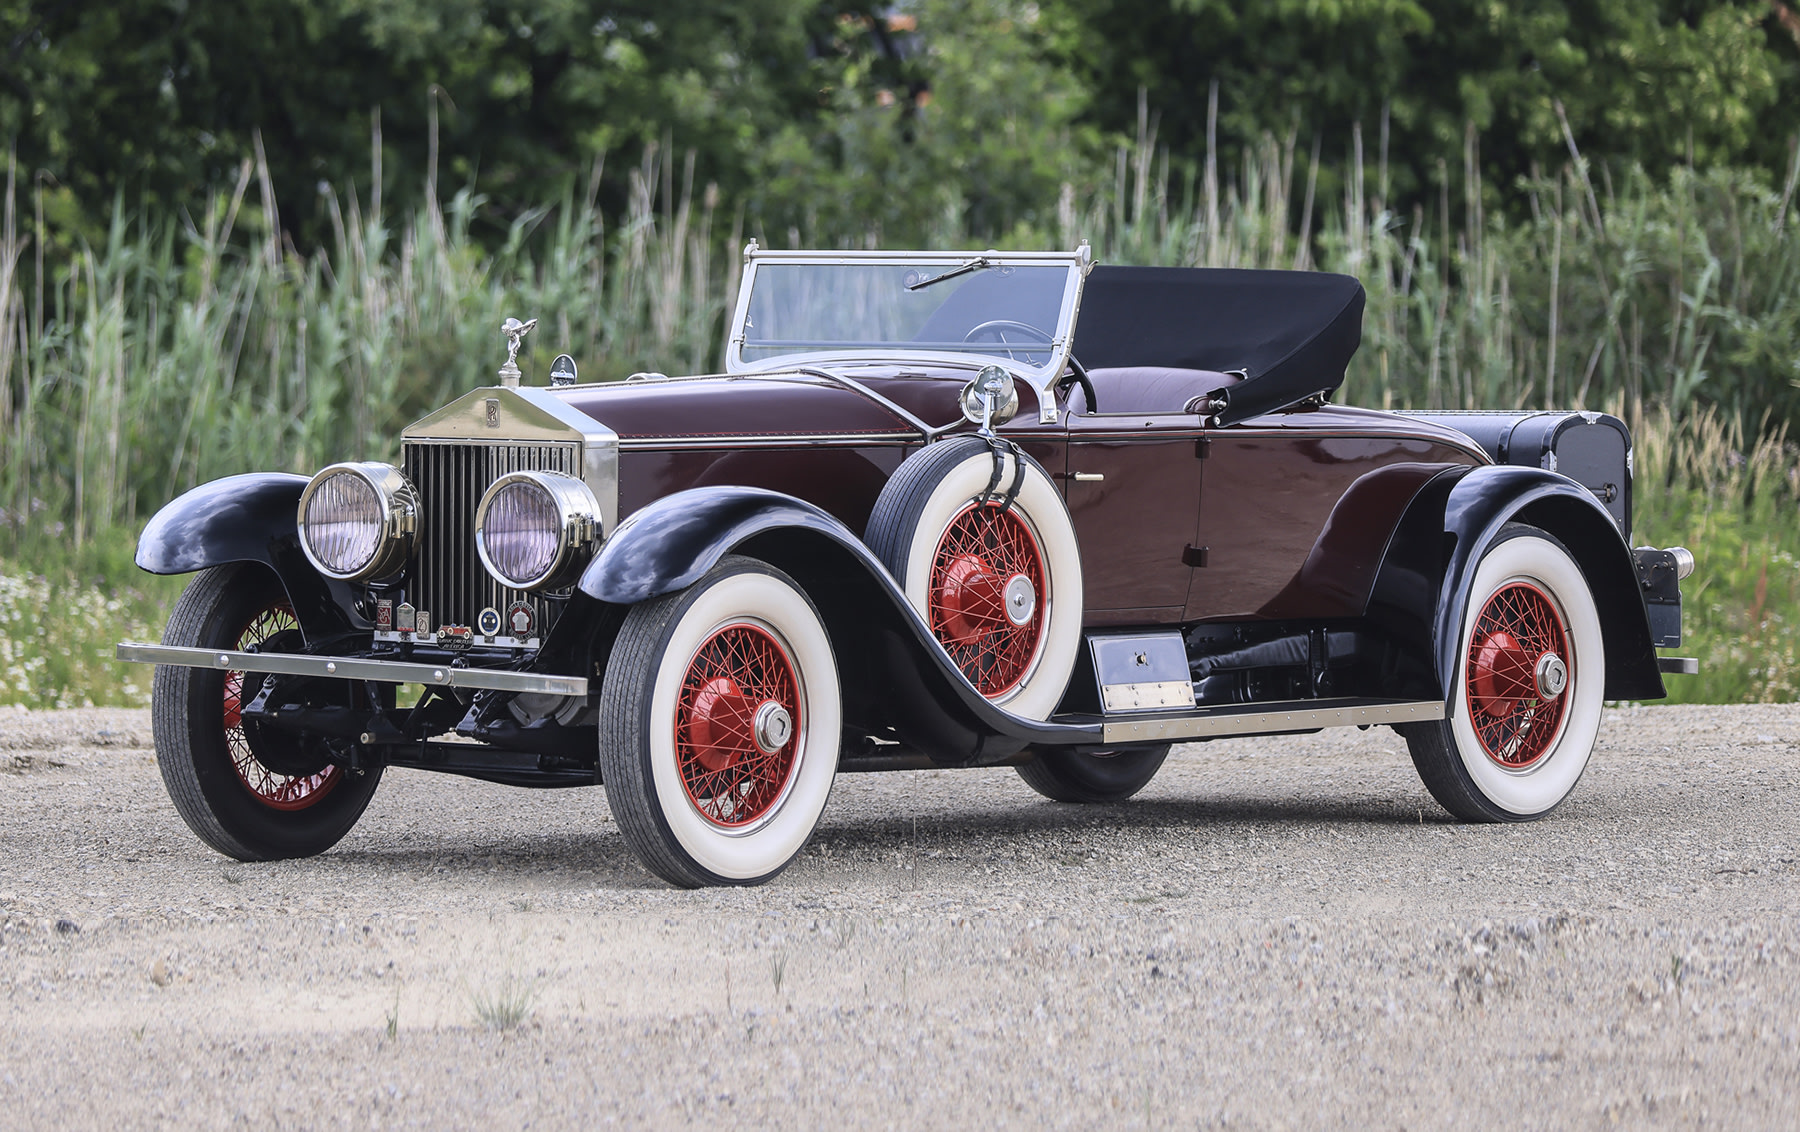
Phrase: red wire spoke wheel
(737, 725)
(250, 788)
(272, 789)
(1525, 707)
(1518, 667)
(719, 724)
(987, 579)
(999, 589)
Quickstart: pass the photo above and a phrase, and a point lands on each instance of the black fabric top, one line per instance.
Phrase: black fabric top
(1291, 332)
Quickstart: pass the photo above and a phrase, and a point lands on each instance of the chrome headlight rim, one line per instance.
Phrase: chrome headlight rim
(578, 529)
(398, 502)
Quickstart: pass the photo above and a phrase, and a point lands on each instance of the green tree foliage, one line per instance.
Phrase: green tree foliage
(161, 98)
(1646, 81)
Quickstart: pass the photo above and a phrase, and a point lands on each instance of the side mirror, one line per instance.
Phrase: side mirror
(991, 398)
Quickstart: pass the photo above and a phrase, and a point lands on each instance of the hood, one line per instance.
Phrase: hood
(740, 409)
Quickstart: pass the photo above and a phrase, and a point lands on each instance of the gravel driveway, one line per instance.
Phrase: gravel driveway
(1277, 933)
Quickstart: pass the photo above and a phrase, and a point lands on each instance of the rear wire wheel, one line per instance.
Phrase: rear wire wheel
(720, 720)
(250, 791)
(1531, 669)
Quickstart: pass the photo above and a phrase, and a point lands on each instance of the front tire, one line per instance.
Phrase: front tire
(1528, 694)
(720, 721)
(250, 792)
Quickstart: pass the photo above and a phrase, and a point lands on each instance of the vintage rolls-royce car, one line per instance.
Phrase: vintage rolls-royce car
(939, 510)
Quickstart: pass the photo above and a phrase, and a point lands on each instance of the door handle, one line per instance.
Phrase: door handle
(1088, 477)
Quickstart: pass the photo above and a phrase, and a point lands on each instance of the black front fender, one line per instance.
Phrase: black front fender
(884, 646)
(1485, 500)
(247, 518)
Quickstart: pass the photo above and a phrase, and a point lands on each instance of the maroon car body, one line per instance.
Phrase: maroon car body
(940, 510)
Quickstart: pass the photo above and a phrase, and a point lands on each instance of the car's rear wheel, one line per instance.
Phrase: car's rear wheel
(249, 791)
(1098, 778)
(1530, 674)
(999, 586)
(720, 721)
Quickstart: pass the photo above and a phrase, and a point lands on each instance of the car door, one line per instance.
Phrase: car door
(1133, 489)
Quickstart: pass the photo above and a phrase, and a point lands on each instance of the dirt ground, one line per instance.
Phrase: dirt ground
(1279, 933)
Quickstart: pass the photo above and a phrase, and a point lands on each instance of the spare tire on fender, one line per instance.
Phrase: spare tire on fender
(1000, 586)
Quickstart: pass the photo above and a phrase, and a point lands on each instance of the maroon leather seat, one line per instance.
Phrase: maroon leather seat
(1148, 389)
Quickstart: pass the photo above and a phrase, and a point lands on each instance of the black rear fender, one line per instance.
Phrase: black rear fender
(893, 670)
(1422, 590)
(249, 518)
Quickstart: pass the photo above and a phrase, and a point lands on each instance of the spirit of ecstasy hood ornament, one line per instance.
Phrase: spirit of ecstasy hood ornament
(515, 332)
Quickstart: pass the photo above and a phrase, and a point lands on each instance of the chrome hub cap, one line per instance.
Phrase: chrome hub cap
(1021, 599)
(773, 727)
(1552, 676)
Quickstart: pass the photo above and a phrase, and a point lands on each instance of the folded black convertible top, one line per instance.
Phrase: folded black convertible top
(1291, 332)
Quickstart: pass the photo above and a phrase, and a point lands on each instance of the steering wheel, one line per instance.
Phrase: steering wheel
(1078, 375)
(998, 328)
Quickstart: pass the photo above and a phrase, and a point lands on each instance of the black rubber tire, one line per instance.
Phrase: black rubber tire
(893, 534)
(187, 719)
(1438, 754)
(1064, 776)
(652, 636)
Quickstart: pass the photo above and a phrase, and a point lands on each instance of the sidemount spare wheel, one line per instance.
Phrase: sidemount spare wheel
(720, 719)
(997, 580)
(249, 790)
(1525, 708)
(1093, 778)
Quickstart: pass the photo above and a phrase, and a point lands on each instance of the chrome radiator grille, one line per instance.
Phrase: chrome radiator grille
(448, 579)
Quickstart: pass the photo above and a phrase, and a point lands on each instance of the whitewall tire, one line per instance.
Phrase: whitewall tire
(720, 720)
(1000, 587)
(1525, 709)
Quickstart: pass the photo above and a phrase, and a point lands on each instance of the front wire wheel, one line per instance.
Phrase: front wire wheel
(269, 629)
(250, 791)
(720, 719)
(1530, 674)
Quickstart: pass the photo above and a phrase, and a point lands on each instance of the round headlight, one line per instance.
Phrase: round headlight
(536, 529)
(358, 520)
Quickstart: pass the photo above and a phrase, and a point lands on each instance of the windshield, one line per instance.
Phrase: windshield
(957, 305)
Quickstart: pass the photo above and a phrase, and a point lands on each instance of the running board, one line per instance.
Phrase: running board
(1268, 719)
(356, 668)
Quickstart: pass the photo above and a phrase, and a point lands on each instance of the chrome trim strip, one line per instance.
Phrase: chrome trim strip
(355, 668)
(791, 440)
(1258, 719)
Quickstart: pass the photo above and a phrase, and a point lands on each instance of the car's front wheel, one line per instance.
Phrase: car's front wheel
(250, 791)
(1531, 670)
(720, 721)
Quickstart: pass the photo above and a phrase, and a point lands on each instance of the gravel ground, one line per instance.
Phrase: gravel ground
(1276, 933)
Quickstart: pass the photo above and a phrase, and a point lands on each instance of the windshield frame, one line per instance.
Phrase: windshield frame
(1041, 378)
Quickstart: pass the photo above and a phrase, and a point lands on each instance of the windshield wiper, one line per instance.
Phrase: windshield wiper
(975, 264)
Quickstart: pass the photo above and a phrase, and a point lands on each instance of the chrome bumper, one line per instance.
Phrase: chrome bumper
(356, 668)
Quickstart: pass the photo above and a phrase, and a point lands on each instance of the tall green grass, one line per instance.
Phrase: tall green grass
(191, 347)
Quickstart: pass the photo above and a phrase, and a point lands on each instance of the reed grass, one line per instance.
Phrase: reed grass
(195, 346)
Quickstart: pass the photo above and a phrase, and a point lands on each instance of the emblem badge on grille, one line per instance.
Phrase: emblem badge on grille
(493, 412)
(456, 638)
(521, 620)
(406, 619)
(488, 621)
(384, 615)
